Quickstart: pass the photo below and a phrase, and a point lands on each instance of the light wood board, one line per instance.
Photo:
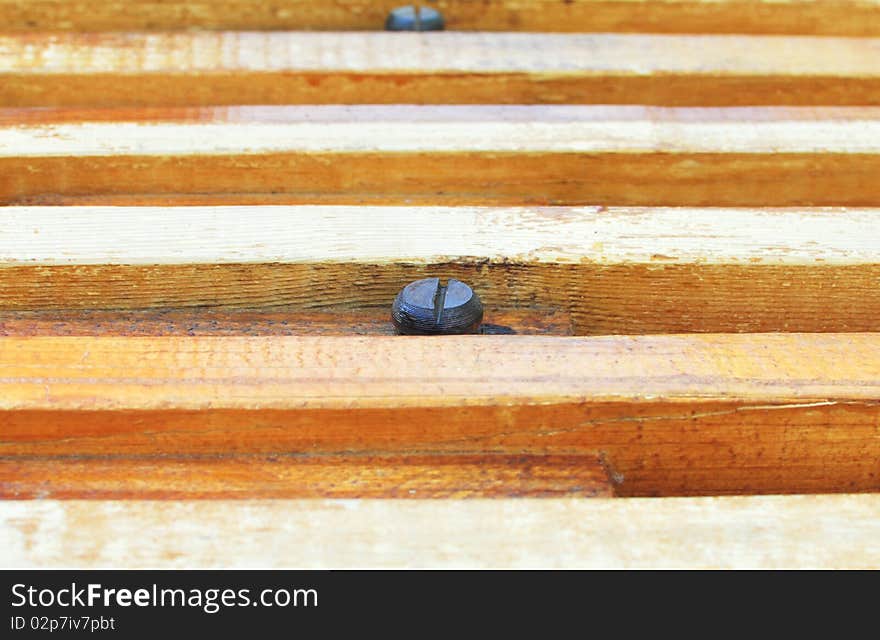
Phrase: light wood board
(761, 532)
(461, 155)
(234, 68)
(609, 270)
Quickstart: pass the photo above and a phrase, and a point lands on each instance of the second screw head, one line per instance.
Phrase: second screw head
(428, 307)
(414, 19)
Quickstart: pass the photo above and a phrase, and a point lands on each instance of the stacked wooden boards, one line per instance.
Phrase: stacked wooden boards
(672, 206)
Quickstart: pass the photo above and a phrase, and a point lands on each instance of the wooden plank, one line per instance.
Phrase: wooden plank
(450, 155)
(233, 68)
(702, 414)
(285, 476)
(760, 532)
(828, 17)
(278, 321)
(606, 270)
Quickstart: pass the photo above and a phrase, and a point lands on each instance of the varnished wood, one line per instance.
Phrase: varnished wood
(761, 532)
(670, 415)
(615, 270)
(450, 155)
(234, 68)
(285, 476)
(831, 17)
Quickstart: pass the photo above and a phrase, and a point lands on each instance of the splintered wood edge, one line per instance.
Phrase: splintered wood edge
(607, 270)
(433, 155)
(669, 415)
(226, 68)
(760, 532)
(838, 17)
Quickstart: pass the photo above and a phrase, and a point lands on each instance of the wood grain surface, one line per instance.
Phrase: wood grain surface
(219, 358)
(290, 476)
(830, 17)
(277, 321)
(445, 155)
(554, 270)
(702, 414)
(459, 155)
(234, 68)
(767, 532)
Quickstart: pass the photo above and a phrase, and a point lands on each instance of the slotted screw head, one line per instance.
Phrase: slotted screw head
(414, 19)
(428, 307)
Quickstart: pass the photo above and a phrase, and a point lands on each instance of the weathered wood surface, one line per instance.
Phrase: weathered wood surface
(277, 321)
(288, 476)
(831, 17)
(615, 270)
(762, 532)
(460, 155)
(670, 415)
(234, 68)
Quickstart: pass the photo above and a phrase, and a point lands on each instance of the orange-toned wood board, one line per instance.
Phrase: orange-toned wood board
(462, 155)
(840, 531)
(235, 68)
(669, 415)
(556, 270)
(286, 476)
(832, 17)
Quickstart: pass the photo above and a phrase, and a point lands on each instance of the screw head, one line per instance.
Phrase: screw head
(414, 19)
(428, 307)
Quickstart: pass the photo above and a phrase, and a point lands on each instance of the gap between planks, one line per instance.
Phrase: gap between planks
(829, 17)
(670, 415)
(554, 270)
(761, 532)
(462, 155)
(230, 68)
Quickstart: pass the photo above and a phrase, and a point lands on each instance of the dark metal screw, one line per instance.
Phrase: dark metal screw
(414, 19)
(427, 307)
